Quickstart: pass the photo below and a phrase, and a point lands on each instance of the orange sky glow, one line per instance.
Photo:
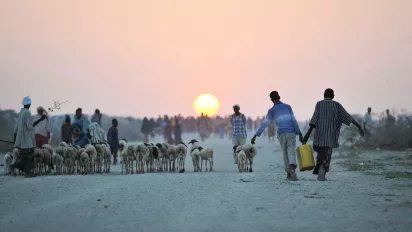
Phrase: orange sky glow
(151, 57)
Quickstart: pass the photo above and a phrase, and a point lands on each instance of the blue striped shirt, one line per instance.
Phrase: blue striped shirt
(282, 115)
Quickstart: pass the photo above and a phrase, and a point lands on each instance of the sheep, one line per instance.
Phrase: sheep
(142, 154)
(107, 158)
(195, 144)
(123, 146)
(91, 151)
(69, 155)
(57, 160)
(15, 154)
(125, 153)
(241, 160)
(148, 160)
(181, 150)
(8, 159)
(156, 158)
(98, 162)
(47, 160)
(206, 154)
(84, 162)
(250, 151)
(172, 158)
(195, 154)
(164, 148)
(131, 158)
(77, 159)
(38, 156)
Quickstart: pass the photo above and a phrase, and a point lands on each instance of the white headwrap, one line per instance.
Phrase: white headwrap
(26, 101)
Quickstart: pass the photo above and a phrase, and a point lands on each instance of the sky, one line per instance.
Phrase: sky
(150, 57)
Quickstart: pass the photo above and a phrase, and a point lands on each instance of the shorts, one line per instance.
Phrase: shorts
(238, 140)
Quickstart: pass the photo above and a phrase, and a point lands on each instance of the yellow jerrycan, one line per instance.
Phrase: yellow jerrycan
(305, 157)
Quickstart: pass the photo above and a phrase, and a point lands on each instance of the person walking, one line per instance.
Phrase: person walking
(327, 120)
(66, 129)
(177, 131)
(239, 134)
(368, 125)
(24, 139)
(287, 129)
(42, 130)
(113, 139)
(145, 129)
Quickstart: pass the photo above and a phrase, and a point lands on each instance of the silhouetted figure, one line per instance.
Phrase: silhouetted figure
(66, 129)
(177, 131)
(146, 128)
(113, 139)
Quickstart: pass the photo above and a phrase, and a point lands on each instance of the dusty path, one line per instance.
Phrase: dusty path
(216, 201)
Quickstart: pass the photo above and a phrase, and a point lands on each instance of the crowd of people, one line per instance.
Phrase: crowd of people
(328, 117)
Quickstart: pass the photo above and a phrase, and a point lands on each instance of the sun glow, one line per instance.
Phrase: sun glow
(206, 104)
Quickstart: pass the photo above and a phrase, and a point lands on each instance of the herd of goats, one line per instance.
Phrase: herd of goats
(141, 158)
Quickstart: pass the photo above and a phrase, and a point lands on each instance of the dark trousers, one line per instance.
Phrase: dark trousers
(25, 160)
(323, 158)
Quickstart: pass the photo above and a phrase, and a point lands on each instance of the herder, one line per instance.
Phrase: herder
(24, 139)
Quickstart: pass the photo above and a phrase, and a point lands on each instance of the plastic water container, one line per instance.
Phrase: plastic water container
(305, 157)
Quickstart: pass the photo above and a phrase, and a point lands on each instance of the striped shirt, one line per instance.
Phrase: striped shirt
(283, 117)
(327, 121)
(238, 125)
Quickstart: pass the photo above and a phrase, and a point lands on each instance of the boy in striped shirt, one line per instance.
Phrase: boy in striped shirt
(327, 120)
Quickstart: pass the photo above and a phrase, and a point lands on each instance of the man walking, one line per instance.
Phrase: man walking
(327, 120)
(287, 129)
(113, 139)
(24, 138)
(368, 124)
(239, 134)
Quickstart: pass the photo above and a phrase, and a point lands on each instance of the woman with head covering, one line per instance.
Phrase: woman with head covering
(42, 130)
(96, 134)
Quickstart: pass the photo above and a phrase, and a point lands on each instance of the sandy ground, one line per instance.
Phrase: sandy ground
(223, 200)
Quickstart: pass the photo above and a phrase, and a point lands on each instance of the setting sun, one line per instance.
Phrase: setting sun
(206, 104)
